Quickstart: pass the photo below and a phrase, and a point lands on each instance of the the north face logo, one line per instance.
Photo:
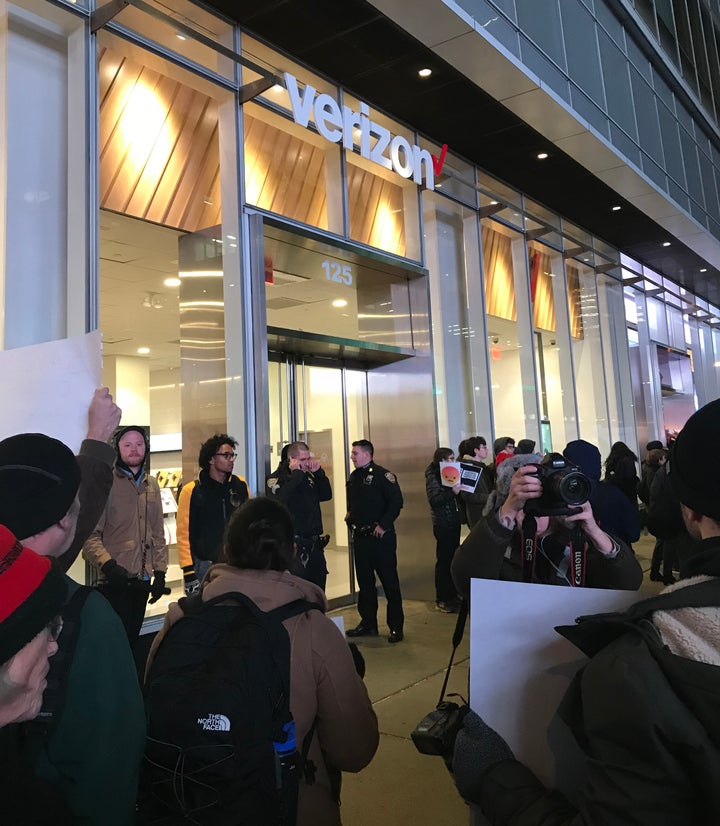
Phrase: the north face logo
(214, 722)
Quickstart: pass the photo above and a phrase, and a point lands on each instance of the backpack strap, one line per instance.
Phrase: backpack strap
(292, 609)
(592, 633)
(61, 662)
(191, 606)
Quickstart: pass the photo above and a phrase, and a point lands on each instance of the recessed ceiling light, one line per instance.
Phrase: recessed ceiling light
(616, 209)
(339, 302)
(704, 269)
(277, 88)
(493, 203)
(666, 243)
(180, 36)
(425, 72)
(143, 351)
(172, 282)
(542, 156)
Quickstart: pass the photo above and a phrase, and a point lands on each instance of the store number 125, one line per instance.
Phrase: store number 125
(340, 274)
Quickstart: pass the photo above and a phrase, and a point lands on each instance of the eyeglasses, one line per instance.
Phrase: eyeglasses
(227, 455)
(54, 627)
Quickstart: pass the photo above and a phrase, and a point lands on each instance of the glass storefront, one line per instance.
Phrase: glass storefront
(256, 277)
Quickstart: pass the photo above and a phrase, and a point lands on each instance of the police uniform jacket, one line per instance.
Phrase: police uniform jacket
(374, 497)
(302, 492)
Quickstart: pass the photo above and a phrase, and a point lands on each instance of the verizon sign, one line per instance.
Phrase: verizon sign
(338, 124)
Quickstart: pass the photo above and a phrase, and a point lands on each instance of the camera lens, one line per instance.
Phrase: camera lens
(574, 488)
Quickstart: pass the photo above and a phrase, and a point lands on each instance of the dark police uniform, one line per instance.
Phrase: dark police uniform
(374, 498)
(302, 492)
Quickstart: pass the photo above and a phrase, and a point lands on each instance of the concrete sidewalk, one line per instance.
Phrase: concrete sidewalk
(404, 681)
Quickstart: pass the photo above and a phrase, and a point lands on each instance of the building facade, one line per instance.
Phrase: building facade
(271, 254)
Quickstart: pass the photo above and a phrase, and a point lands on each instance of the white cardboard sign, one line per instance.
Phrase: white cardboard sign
(520, 668)
(48, 387)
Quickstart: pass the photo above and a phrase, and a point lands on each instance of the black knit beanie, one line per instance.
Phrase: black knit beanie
(39, 477)
(693, 462)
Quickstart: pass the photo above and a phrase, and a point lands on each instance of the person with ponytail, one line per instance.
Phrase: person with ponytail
(325, 687)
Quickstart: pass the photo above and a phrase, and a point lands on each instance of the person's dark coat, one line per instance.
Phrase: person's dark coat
(302, 492)
(491, 551)
(443, 502)
(475, 502)
(649, 721)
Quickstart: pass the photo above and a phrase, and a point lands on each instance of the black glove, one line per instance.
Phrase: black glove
(158, 589)
(114, 573)
(358, 659)
(477, 749)
(192, 583)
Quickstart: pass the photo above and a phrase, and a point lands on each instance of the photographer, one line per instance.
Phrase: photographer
(493, 548)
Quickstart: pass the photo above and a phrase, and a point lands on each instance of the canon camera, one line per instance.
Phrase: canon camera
(564, 489)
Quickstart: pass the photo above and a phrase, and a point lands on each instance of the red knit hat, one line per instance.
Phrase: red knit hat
(32, 592)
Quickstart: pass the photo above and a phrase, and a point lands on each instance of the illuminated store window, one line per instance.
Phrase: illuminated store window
(291, 171)
(509, 332)
(552, 351)
(383, 205)
(587, 356)
(168, 261)
(458, 323)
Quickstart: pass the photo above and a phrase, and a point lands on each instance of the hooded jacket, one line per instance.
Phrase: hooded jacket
(131, 527)
(324, 684)
(648, 718)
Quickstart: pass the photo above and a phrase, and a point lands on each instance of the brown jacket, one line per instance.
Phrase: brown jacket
(133, 518)
(323, 682)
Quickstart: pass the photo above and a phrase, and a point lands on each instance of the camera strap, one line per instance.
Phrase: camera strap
(528, 538)
(578, 552)
(578, 556)
(456, 640)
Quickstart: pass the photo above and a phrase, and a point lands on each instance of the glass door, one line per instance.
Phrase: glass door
(326, 407)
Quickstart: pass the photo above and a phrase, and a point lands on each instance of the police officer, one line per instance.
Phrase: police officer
(374, 503)
(301, 485)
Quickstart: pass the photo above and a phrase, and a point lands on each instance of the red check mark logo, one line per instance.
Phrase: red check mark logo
(438, 162)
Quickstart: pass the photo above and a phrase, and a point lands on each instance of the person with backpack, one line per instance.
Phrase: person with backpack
(646, 707)
(190, 670)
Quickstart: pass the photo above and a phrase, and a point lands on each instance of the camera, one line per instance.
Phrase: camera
(564, 488)
(436, 732)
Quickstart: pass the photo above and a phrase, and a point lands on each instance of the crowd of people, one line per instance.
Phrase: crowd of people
(75, 726)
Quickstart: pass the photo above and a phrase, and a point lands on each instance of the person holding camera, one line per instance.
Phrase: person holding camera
(645, 708)
(301, 485)
(493, 548)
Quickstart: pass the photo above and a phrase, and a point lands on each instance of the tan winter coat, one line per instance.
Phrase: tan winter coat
(133, 518)
(323, 682)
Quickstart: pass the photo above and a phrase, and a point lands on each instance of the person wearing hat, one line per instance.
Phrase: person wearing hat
(646, 707)
(128, 545)
(89, 752)
(613, 511)
(492, 549)
(32, 594)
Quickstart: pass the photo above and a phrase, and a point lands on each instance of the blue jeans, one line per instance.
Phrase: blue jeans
(201, 567)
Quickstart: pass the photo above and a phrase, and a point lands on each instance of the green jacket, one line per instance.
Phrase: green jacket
(93, 751)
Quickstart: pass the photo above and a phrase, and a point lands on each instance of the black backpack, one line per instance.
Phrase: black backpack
(216, 701)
